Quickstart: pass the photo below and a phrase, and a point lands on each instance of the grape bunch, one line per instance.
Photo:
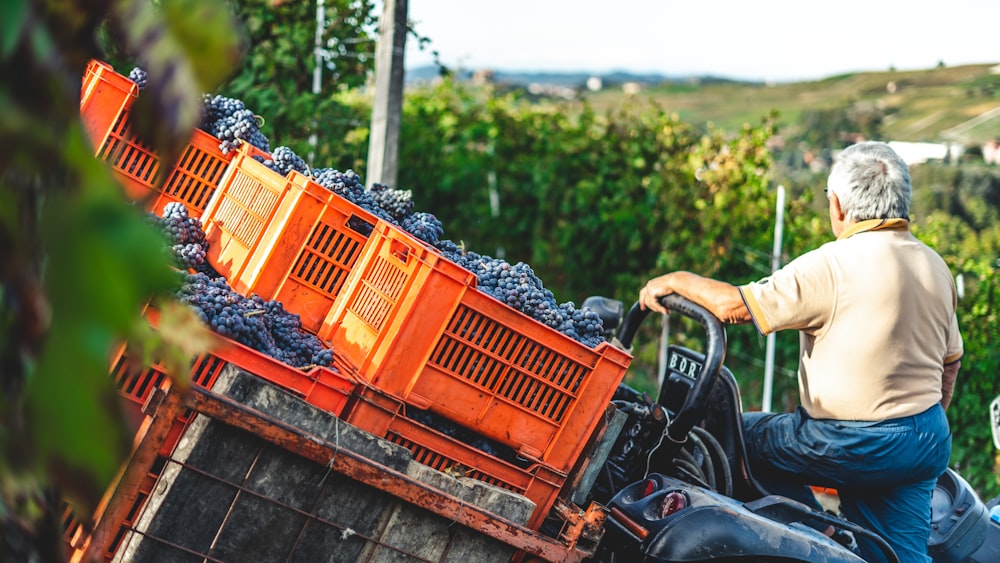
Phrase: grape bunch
(262, 325)
(424, 226)
(388, 204)
(283, 160)
(398, 203)
(232, 123)
(185, 236)
(140, 77)
(226, 118)
(189, 255)
(517, 286)
(348, 186)
(180, 227)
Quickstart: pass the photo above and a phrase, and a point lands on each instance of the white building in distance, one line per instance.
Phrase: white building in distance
(919, 153)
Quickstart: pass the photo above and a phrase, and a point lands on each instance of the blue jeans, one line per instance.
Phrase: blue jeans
(884, 471)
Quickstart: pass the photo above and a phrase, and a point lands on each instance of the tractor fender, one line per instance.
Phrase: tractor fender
(728, 530)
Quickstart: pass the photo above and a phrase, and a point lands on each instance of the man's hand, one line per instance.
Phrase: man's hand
(650, 294)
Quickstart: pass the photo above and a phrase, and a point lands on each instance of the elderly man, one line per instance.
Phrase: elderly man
(879, 352)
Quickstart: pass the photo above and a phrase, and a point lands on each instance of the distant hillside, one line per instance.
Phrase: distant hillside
(565, 79)
(959, 104)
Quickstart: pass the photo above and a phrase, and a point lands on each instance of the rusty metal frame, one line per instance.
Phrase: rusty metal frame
(346, 462)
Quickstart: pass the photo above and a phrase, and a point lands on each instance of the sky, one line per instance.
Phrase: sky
(766, 40)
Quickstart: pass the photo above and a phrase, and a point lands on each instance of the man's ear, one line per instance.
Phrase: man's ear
(837, 210)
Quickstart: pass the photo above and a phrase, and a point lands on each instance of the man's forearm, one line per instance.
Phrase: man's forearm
(948, 382)
(722, 299)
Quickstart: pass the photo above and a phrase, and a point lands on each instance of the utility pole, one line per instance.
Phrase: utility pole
(779, 227)
(383, 146)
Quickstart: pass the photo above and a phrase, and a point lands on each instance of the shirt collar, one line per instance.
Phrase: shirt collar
(875, 225)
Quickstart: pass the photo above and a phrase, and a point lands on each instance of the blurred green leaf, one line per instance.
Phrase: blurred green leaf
(13, 17)
(105, 260)
(41, 42)
(205, 31)
(186, 47)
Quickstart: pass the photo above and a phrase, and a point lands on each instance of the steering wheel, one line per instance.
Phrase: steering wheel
(695, 406)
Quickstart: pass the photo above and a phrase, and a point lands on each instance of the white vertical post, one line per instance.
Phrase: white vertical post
(318, 54)
(779, 227)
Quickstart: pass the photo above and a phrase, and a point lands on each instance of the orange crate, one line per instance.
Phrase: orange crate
(239, 213)
(321, 387)
(306, 250)
(380, 414)
(191, 181)
(415, 326)
(106, 98)
(105, 95)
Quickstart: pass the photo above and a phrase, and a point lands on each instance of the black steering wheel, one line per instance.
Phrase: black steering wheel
(696, 404)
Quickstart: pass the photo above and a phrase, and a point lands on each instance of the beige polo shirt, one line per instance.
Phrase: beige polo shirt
(876, 314)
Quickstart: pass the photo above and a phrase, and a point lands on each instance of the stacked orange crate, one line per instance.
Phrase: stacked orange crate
(416, 329)
(284, 238)
(307, 251)
(105, 96)
(105, 100)
(240, 212)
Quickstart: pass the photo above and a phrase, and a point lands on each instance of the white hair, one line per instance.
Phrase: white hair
(871, 181)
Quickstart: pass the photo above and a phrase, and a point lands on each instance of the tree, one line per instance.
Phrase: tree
(276, 77)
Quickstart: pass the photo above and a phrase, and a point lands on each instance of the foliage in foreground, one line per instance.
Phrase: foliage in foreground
(76, 262)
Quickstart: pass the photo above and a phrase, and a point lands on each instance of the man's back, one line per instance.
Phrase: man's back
(890, 329)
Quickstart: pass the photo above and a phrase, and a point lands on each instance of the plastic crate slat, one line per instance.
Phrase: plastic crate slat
(321, 239)
(146, 166)
(388, 279)
(490, 335)
(461, 358)
(511, 390)
(120, 129)
(309, 269)
(488, 372)
(372, 307)
(206, 370)
(179, 185)
(108, 147)
(249, 226)
(322, 272)
(341, 249)
(331, 280)
(347, 250)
